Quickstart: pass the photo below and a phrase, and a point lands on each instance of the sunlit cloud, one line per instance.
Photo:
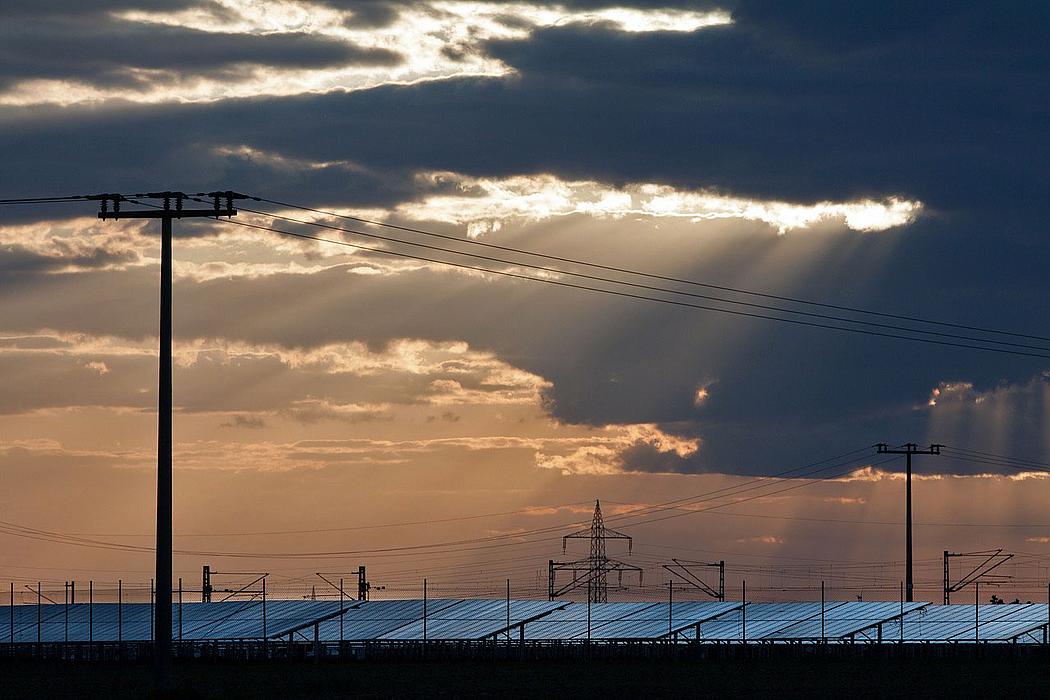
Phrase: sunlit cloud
(604, 455)
(486, 205)
(762, 539)
(702, 394)
(435, 40)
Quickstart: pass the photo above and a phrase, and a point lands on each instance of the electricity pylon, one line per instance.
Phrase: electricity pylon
(595, 567)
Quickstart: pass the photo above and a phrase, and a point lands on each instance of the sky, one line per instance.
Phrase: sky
(337, 406)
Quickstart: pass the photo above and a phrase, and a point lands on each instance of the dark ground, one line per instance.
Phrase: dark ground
(815, 677)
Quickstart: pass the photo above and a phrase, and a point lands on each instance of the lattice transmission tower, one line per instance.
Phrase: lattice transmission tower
(596, 567)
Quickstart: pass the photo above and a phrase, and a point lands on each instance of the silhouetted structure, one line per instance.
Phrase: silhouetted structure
(166, 213)
(596, 567)
(991, 559)
(908, 450)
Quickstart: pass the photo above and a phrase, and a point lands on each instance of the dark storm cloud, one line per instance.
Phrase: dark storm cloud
(22, 9)
(779, 391)
(17, 259)
(382, 13)
(778, 120)
(806, 103)
(715, 108)
(107, 53)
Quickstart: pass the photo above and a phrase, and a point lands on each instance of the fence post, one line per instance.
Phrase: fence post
(823, 638)
(340, 615)
(180, 608)
(120, 611)
(902, 612)
(38, 614)
(152, 614)
(976, 611)
(670, 605)
(91, 612)
(743, 611)
(588, 613)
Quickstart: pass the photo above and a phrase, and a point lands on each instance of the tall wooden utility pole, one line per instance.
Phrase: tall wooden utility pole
(908, 450)
(165, 212)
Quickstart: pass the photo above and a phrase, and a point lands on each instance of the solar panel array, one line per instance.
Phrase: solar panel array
(110, 622)
(479, 619)
(968, 623)
(624, 620)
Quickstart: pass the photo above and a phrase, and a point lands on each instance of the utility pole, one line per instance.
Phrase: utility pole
(362, 584)
(206, 588)
(163, 608)
(908, 450)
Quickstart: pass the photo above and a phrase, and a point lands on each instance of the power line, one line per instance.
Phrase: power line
(47, 200)
(459, 545)
(666, 278)
(477, 543)
(310, 531)
(903, 329)
(647, 287)
(641, 297)
(624, 270)
(997, 460)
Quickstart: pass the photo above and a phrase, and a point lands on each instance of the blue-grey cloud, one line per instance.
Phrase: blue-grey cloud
(115, 53)
(802, 103)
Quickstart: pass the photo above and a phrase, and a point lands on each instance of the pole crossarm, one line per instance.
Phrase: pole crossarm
(590, 574)
(908, 450)
(991, 559)
(682, 570)
(170, 208)
(363, 584)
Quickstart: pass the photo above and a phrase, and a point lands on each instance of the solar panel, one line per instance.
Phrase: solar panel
(401, 620)
(1014, 621)
(653, 622)
(571, 621)
(473, 619)
(938, 623)
(842, 620)
(108, 622)
(375, 618)
(762, 620)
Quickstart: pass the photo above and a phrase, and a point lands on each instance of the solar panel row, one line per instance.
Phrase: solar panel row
(109, 622)
(477, 619)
